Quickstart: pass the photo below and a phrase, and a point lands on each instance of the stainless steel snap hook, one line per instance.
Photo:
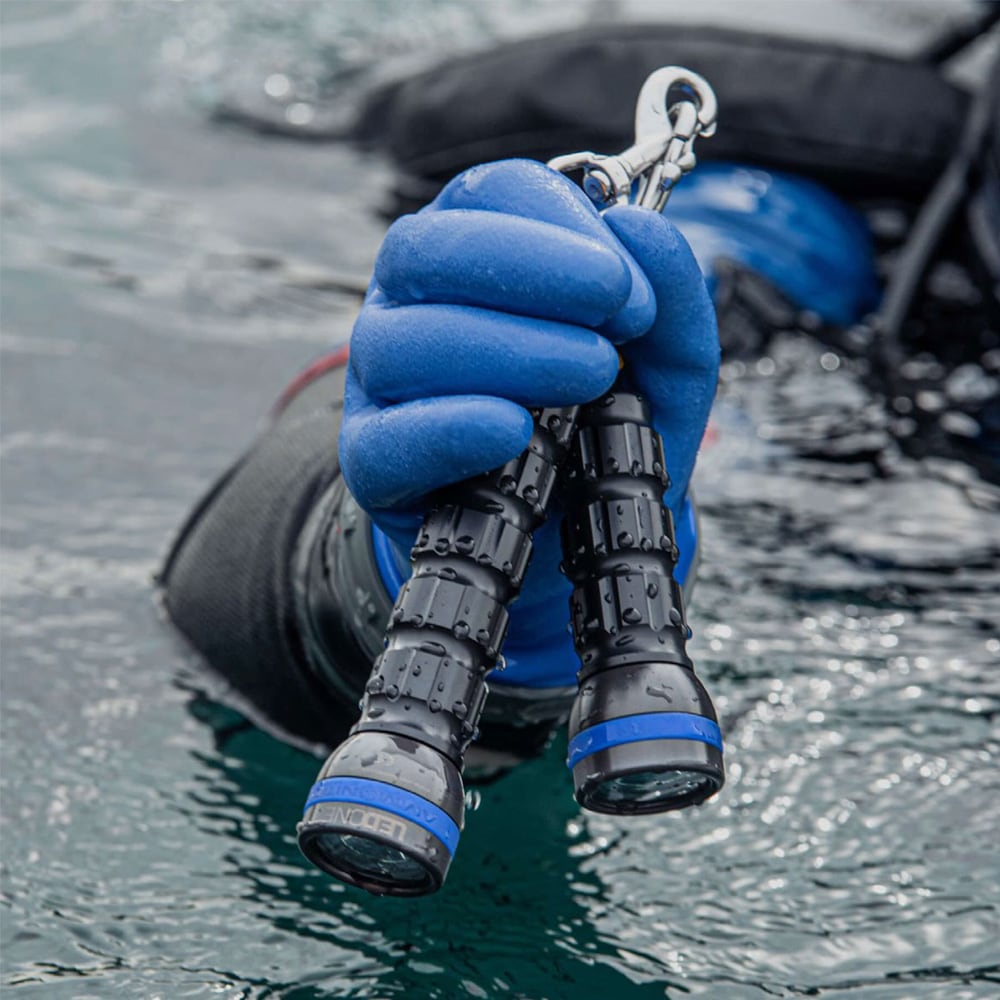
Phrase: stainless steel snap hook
(675, 106)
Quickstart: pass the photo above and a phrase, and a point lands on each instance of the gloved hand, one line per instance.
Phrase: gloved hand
(507, 292)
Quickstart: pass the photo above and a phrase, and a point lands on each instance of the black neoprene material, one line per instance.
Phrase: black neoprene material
(983, 213)
(227, 582)
(861, 122)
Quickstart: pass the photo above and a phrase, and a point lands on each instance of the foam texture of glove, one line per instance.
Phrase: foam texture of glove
(508, 292)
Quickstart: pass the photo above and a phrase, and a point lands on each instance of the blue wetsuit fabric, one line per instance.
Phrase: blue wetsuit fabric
(807, 242)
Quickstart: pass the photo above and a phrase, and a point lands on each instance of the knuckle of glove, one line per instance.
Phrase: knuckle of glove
(525, 188)
(503, 262)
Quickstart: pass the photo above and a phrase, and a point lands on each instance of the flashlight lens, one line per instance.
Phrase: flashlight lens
(649, 790)
(371, 863)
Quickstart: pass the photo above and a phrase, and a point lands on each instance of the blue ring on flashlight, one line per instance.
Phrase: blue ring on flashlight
(636, 728)
(388, 798)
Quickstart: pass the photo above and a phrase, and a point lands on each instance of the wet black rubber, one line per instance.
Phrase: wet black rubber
(450, 619)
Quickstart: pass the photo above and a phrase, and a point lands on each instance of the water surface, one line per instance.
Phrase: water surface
(163, 278)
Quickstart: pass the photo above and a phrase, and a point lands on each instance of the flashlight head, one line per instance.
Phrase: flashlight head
(385, 815)
(644, 738)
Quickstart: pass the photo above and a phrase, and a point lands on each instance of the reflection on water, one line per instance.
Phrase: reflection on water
(163, 279)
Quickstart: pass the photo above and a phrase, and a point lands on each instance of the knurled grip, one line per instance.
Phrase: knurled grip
(618, 540)
(450, 619)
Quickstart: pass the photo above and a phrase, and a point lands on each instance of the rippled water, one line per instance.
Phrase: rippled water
(163, 278)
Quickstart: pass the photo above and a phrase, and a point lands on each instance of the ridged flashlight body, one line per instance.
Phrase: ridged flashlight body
(618, 540)
(644, 736)
(426, 692)
(450, 618)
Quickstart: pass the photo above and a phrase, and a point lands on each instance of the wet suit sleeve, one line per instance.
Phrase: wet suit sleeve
(234, 579)
(227, 582)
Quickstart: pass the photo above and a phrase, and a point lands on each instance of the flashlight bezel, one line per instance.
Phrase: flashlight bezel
(321, 825)
(593, 773)
(613, 734)
(388, 790)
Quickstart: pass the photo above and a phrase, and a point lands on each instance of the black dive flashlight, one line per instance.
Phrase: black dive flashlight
(644, 736)
(388, 807)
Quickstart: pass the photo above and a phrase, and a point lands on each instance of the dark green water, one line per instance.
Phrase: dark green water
(163, 279)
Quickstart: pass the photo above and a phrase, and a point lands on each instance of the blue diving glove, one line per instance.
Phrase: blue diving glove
(510, 291)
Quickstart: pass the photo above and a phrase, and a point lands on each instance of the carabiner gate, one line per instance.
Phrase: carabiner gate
(645, 173)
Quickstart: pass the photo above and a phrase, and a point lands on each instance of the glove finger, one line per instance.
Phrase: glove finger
(684, 335)
(677, 364)
(502, 262)
(533, 191)
(394, 456)
(414, 352)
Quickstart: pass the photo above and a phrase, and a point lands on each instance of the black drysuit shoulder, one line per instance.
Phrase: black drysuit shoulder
(228, 581)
